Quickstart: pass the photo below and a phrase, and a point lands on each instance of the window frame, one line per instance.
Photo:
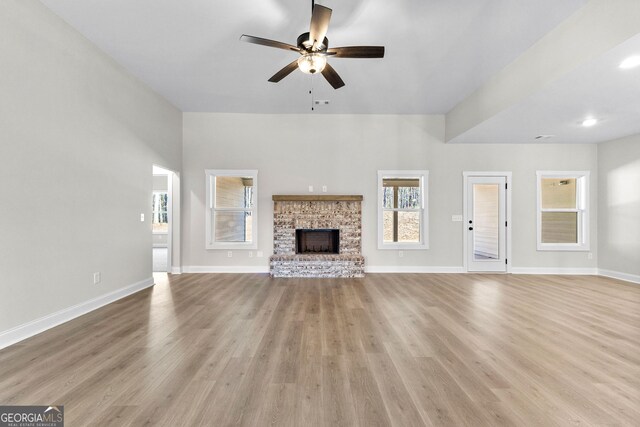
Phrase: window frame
(582, 209)
(423, 176)
(210, 209)
(153, 212)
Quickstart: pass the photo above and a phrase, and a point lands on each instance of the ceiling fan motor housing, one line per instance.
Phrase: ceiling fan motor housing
(305, 44)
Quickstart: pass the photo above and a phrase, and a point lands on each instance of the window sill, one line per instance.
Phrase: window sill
(403, 246)
(231, 246)
(563, 248)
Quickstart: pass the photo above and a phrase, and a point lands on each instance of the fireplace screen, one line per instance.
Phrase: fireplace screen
(317, 241)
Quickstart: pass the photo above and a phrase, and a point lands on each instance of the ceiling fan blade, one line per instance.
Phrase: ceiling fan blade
(332, 77)
(319, 25)
(357, 52)
(267, 42)
(284, 72)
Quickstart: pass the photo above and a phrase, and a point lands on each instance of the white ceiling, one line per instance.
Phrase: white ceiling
(598, 89)
(437, 51)
(438, 54)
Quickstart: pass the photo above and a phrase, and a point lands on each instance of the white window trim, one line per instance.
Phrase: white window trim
(582, 178)
(424, 212)
(210, 175)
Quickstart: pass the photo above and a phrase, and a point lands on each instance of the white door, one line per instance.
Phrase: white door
(486, 223)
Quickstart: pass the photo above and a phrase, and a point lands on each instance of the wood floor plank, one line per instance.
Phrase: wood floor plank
(337, 401)
(395, 397)
(387, 350)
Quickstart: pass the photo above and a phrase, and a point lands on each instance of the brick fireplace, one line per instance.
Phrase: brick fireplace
(328, 231)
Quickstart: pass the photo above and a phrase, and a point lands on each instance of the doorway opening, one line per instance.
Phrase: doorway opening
(487, 221)
(165, 236)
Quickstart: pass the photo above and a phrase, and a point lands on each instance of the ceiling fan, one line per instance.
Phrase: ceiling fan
(314, 50)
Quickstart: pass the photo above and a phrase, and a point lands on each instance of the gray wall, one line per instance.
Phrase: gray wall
(619, 205)
(344, 152)
(78, 137)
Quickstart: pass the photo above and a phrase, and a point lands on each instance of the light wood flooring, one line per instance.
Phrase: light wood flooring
(389, 349)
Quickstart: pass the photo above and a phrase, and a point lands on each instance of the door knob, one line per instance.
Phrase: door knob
(470, 228)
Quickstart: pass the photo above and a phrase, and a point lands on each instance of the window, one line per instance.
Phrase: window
(402, 207)
(160, 223)
(563, 211)
(231, 209)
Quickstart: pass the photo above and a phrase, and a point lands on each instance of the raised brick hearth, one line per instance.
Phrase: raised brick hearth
(343, 213)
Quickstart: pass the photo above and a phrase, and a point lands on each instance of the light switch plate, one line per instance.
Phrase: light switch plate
(456, 218)
(141, 217)
(311, 189)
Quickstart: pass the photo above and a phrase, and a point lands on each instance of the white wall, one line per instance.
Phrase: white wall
(619, 206)
(344, 152)
(78, 137)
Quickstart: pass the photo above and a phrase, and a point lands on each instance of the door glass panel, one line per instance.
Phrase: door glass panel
(486, 218)
(559, 227)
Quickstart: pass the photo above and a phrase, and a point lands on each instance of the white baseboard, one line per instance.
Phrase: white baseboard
(176, 270)
(225, 269)
(29, 329)
(411, 269)
(367, 269)
(555, 270)
(618, 275)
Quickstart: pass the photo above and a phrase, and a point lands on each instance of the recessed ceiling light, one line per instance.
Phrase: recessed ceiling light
(589, 122)
(630, 62)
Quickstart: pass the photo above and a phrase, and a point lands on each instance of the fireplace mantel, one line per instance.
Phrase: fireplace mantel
(316, 198)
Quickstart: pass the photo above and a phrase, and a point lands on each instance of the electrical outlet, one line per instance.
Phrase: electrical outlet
(400, 254)
(590, 256)
(96, 278)
(259, 254)
(141, 217)
(311, 189)
(250, 254)
(229, 254)
(324, 188)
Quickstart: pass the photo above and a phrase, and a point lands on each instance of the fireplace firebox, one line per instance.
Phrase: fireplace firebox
(317, 241)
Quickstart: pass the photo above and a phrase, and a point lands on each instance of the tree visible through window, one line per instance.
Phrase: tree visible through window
(402, 209)
(160, 223)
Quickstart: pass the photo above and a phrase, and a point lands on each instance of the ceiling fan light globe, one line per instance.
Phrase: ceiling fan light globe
(311, 63)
